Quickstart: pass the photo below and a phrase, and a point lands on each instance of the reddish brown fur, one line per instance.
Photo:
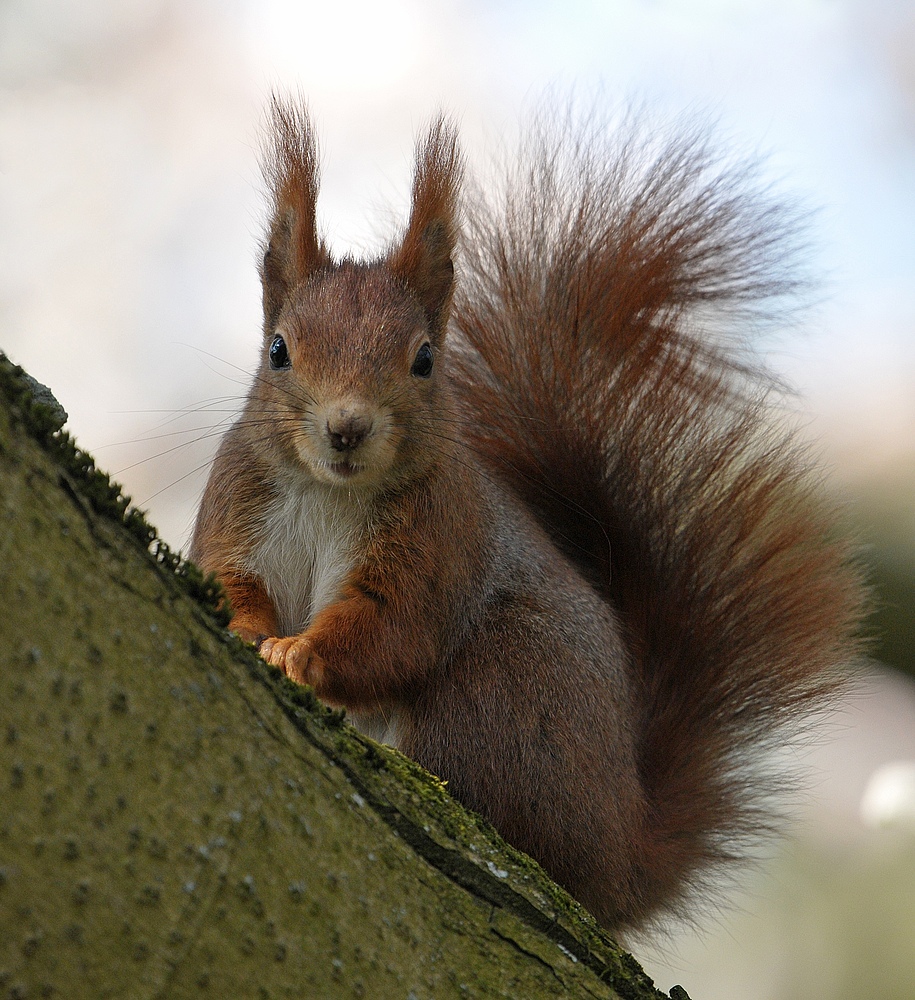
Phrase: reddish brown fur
(423, 259)
(579, 571)
(293, 248)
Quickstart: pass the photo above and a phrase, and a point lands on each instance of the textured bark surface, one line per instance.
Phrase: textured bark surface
(179, 821)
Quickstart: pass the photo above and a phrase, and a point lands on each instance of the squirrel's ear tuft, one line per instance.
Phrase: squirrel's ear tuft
(290, 165)
(424, 259)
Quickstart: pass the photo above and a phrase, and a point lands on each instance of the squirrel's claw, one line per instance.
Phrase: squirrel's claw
(295, 656)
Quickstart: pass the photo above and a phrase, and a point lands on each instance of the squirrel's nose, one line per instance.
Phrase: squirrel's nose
(347, 430)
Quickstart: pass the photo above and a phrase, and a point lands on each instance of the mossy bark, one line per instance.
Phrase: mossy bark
(180, 821)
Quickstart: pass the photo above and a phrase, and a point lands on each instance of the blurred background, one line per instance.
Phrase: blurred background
(130, 213)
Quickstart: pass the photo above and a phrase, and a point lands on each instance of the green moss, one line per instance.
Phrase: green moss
(38, 412)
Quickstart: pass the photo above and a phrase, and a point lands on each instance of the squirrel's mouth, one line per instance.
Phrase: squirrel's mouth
(362, 467)
(334, 469)
(344, 469)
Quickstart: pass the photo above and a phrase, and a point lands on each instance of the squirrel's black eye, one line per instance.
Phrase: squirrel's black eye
(422, 363)
(279, 354)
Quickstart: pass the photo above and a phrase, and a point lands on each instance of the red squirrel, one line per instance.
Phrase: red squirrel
(500, 495)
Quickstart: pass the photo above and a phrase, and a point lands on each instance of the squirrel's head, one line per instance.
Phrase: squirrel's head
(350, 375)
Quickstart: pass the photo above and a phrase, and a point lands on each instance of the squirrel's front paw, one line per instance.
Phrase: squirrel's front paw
(295, 656)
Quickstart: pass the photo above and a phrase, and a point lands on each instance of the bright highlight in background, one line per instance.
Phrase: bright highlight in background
(889, 799)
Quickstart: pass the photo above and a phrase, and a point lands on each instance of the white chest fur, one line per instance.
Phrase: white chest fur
(306, 549)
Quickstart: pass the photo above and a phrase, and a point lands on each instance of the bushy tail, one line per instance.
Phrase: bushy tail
(588, 325)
